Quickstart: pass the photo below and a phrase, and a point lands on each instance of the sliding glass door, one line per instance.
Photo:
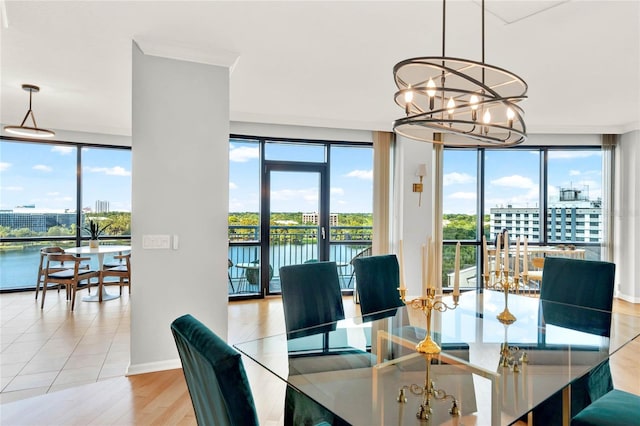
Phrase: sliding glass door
(295, 223)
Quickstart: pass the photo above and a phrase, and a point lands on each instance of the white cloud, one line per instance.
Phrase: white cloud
(515, 181)
(4, 166)
(457, 178)
(463, 195)
(574, 172)
(233, 185)
(12, 188)
(337, 191)
(243, 154)
(361, 174)
(310, 194)
(110, 171)
(42, 168)
(62, 150)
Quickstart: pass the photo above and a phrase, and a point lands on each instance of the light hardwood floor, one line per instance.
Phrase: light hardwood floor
(98, 393)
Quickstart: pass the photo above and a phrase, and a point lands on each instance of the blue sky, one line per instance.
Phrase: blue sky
(45, 175)
(351, 179)
(512, 177)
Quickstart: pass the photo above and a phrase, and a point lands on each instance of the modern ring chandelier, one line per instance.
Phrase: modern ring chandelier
(471, 103)
(35, 131)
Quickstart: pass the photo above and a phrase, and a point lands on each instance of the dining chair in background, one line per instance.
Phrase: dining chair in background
(312, 302)
(614, 408)
(534, 274)
(43, 264)
(310, 296)
(363, 253)
(378, 279)
(568, 287)
(122, 272)
(215, 375)
(582, 283)
(42, 267)
(229, 266)
(71, 278)
(114, 262)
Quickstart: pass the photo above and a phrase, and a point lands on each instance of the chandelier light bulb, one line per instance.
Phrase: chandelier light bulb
(474, 102)
(408, 98)
(510, 116)
(431, 88)
(451, 106)
(431, 92)
(486, 119)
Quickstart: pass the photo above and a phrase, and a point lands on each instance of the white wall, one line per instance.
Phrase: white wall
(412, 223)
(180, 151)
(626, 214)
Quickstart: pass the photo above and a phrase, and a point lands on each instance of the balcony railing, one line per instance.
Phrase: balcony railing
(290, 245)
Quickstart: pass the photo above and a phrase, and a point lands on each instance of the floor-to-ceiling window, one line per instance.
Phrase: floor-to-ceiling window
(295, 201)
(48, 191)
(550, 195)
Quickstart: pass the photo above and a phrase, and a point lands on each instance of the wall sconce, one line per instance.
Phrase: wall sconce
(418, 187)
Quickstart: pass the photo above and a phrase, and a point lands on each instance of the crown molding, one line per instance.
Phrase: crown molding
(188, 52)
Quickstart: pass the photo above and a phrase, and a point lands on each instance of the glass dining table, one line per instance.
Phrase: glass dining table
(366, 371)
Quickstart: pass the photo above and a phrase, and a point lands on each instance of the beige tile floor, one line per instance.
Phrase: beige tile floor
(51, 349)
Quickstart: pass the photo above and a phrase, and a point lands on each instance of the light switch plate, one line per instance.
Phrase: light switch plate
(156, 242)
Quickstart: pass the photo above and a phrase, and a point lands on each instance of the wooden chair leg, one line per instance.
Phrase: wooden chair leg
(74, 292)
(38, 284)
(44, 293)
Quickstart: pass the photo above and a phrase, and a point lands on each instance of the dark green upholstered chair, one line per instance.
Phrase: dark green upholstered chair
(215, 376)
(312, 301)
(615, 408)
(582, 283)
(568, 285)
(378, 279)
(310, 297)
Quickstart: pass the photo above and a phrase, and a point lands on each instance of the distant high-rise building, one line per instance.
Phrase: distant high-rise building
(102, 206)
(314, 217)
(572, 218)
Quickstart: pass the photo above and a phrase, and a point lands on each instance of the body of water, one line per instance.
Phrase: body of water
(19, 267)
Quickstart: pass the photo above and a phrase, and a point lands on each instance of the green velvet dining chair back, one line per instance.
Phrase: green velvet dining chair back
(568, 287)
(615, 408)
(215, 376)
(378, 279)
(311, 297)
(573, 284)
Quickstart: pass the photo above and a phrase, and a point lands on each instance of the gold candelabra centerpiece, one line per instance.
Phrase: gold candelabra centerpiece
(509, 357)
(502, 283)
(427, 304)
(429, 393)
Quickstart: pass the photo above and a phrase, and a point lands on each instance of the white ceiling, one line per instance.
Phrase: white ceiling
(325, 64)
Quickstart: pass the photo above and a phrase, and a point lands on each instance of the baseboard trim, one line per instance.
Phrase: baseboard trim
(152, 367)
(627, 298)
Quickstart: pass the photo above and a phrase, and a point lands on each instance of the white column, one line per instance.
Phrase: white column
(627, 217)
(412, 223)
(180, 150)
